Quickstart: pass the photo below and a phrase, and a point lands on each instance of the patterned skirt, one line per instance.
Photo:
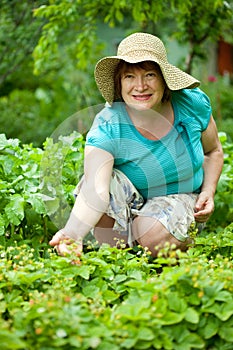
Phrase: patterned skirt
(175, 211)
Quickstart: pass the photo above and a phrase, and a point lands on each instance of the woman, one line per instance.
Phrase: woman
(152, 156)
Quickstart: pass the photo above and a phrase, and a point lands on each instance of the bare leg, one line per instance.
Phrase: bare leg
(150, 233)
(104, 233)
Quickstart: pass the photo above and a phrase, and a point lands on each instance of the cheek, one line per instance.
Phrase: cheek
(125, 88)
(160, 88)
(124, 85)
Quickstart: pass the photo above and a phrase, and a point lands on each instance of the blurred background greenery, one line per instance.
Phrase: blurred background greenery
(48, 50)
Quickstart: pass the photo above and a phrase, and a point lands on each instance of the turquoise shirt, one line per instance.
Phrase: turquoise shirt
(172, 164)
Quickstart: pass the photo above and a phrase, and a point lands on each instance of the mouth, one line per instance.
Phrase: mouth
(142, 97)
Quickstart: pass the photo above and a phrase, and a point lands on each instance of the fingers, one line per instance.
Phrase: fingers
(57, 238)
(204, 207)
(66, 248)
(201, 217)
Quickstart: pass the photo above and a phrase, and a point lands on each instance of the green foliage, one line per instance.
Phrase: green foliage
(200, 21)
(60, 171)
(220, 93)
(108, 297)
(32, 116)
(25, 173)
(37, 184)
(116, 298)
(80, 19)
(18, 36)
(224, 196)
(33, 106)
(24, 111)
(70, 43)
(195, 22)
(216, 243)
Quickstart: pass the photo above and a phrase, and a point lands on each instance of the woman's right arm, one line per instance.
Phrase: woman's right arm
(91, 202)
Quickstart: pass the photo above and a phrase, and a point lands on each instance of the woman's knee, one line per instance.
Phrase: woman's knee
(150, 233)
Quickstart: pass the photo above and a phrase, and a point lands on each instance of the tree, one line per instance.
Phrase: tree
(19, 34)
(199, 21)
(196, 21)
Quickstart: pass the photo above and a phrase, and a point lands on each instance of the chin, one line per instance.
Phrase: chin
(141, 106)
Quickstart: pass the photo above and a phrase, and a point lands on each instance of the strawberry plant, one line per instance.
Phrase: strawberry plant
(116, 298)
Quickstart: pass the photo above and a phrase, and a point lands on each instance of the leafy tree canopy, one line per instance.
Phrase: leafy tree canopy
(195, 22)
(20, 31)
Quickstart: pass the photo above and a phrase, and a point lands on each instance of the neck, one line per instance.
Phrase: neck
(148, 116)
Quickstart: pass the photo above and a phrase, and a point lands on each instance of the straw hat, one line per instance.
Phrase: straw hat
(136, 48)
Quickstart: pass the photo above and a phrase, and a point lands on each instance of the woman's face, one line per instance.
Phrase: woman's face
(142, 88)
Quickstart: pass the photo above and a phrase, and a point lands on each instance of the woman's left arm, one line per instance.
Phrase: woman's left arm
(213, 164)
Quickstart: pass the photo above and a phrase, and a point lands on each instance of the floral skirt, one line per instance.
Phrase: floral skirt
(175, 211)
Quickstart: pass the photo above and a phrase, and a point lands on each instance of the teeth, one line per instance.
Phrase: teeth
(144, 97)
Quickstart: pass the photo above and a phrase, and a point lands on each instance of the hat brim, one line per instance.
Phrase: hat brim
(175, 78)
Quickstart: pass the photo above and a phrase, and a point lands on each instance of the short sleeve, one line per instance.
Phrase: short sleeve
(100, 134)
(192, 107)
(201, 108)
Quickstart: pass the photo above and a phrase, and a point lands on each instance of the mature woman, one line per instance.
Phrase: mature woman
(152, 156)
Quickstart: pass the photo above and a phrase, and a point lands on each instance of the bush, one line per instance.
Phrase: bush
(37, 184)
(33, 115)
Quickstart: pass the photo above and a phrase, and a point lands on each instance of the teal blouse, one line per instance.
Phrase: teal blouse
(172, 164)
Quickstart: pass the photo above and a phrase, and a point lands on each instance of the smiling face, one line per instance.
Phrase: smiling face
(142, 85)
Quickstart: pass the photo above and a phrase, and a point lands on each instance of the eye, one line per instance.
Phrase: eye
(127, 76)
(151, 74)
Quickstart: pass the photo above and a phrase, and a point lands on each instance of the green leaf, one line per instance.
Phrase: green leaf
(133, 313)
(192, 315)
(192, 341)
(84, 271)
(29, 278)
(129, 343)
(172, 318)
(211, 327)
(10, 341)
(224, 295)
(120, 278)
(176, 303)
(225, 311)
(51, 204)
(15, 209)
(145, 333)
(105, 345)
(91, 291)
(222, 136)
(212, 291)
(226, 332)
(110, 296)
(2, 225)
(37, 203)
(136, 274)
(3, 141)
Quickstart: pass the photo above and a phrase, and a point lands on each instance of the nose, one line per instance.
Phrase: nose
(140, 83)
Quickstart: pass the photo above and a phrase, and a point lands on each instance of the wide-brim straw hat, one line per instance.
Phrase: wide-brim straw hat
(135, 48)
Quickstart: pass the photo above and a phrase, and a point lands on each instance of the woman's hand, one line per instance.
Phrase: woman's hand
(204, 207)
(64, 245)
(213, 163)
